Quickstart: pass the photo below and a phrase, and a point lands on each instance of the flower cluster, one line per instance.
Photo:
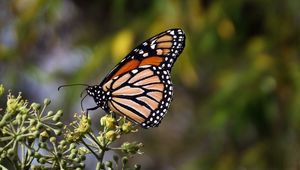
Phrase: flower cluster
(29, 128)
(32, 138)
(111, 129)
(78, 128)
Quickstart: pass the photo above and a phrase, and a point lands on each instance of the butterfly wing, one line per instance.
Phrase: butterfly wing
(161, 50)
(142, 94)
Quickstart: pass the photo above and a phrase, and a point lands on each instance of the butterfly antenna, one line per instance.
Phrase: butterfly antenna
(82, 101)
(66, 85)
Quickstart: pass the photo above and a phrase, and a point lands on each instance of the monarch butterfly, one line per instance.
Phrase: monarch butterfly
(140, 87)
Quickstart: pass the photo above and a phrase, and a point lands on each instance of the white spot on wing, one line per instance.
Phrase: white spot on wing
(134, 71)
(145, 54)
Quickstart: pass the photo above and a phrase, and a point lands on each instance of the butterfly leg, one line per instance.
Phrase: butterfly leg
(113, 114)
(93, 108)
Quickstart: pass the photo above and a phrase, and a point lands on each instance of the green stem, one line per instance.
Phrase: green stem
(95, 140)
(23, 157)
(2, 139)
(12, 128)
(88, 147)
(98, 167)
(43, 109)
(32, 158)
(102, 155)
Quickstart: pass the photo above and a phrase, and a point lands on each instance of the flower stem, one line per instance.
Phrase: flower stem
(88, 147)
(95, 140)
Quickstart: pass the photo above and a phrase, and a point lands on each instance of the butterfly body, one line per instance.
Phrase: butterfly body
(140, 86)
(100, 96)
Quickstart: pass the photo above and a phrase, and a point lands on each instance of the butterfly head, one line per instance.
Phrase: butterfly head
(98, 94)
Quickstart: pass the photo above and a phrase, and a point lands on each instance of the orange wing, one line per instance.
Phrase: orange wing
(161, 50)
(142, 95)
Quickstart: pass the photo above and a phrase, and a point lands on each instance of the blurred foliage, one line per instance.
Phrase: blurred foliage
(237, 95)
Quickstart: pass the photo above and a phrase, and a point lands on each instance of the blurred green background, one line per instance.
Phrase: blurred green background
(237, 83)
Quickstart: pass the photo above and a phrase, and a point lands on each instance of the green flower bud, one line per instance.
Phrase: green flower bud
(53, 139)
(74, 151)
(100, 165)
(5, 130)
(57, 131)
(63, 142)
(109, 164)
(131, 148)
(3, 154)
(108, 121)
(35, 106)
(77, 160)
(110, 135)
(12, 105)
(44, 136)
(37, 154)
(24, 116)
(39, 125)
(72, 156)
(47, 102)
(42, 145)
(59, 147)
(72, 146)
(32, 122)
(19, 118)
(42, 160)
(34, 167)
(82, 165)
(126, 127)
(55, 118)
(24, 110)
(84, 125)
(4, 119)
(16, 122)
(1, 89)
(59, 113)
(59, 124)
(33, 129)
(83, 151)
(50, 113)
(10, 152)
(100, 138)
(23, 129)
